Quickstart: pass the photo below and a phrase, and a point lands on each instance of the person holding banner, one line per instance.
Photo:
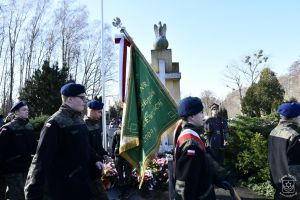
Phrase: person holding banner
(196, 171)
(123, 167)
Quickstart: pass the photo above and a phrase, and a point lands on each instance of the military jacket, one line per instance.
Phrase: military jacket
(284, 155)
(216, 129)
(194, 175)
(116, 143)
(95, 136)
(61, 167)
(17, 146)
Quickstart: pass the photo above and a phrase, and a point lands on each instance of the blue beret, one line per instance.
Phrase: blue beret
(17, 105)
(72, 89)
(190, 106)
(95, 105)
(289, 110)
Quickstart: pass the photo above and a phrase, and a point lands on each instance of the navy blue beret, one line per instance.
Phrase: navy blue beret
(190, 106)
(289, 110)
(95, 105)
(72, 89)
(17, 105)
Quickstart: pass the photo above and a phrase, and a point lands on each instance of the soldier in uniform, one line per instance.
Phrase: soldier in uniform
(122, 166)
(284, 153)
(195, 170)
(216, 129)
(94, 125)
(61, 167)
(17, 145)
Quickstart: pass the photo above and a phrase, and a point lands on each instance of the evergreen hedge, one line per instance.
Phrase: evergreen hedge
(38, 123)
(247, 152)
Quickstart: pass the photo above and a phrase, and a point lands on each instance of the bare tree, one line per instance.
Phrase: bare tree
(93, 64)
(254, 65)
(240, 76)
(30, 34)
(73, 24)
(208, 98)
(233, 76)
(33, 31)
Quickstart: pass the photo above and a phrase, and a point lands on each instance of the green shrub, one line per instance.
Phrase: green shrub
(38, 123)
(264, 188)
(247, 152)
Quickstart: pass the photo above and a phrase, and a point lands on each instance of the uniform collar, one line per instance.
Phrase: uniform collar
(21, 121)
(92, 121)
(68, 110)
(199, 130)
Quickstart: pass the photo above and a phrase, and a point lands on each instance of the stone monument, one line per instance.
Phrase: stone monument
(166, 70)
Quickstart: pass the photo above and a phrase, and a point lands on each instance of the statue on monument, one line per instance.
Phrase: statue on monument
(161, 40)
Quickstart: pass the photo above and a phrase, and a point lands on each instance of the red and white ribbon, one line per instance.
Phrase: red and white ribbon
(124, 43)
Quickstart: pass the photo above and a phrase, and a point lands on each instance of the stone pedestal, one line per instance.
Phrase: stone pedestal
(169, 75)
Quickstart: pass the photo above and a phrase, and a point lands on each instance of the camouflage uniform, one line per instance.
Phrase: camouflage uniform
(61, 168)
(95, 136)
(17, 144)
(284, 160)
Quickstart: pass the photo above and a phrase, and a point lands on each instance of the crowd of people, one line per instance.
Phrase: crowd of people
(67, 160)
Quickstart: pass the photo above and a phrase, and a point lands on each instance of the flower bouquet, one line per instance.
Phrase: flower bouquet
(110, 175)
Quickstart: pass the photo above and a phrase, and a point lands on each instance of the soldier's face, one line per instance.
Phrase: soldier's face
(197, 119)
(214, 112)
(78, 102)
(23, 112)
(94, 114)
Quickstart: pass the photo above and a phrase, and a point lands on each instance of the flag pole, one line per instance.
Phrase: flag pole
(103, 83)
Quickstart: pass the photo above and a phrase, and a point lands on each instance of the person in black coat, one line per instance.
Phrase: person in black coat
(122, 166)
(17, 145)
(196, 171)
(94, 125)
(216, 129)
(61, 168)
(284, 153)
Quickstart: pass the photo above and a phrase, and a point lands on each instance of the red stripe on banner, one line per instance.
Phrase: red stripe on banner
(126, 44)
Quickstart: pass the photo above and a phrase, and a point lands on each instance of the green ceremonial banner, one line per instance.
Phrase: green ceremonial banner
(148, 112)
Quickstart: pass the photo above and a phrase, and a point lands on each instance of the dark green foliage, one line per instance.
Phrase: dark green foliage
(246, 154)
(292, 99)
(42, 91)
(250, 103)
(115, 111)
(223, 113)
(263, 97)
(270, 91)
(38, 123)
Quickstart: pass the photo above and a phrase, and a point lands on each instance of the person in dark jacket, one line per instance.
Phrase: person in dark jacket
(122, 166)
(61, 167)
(17, 145)
(284, 153)
(1, 120)
(94, 125)
(216, 129)
(196, 171)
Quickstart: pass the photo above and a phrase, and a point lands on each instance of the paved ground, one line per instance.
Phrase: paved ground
(244, 193)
